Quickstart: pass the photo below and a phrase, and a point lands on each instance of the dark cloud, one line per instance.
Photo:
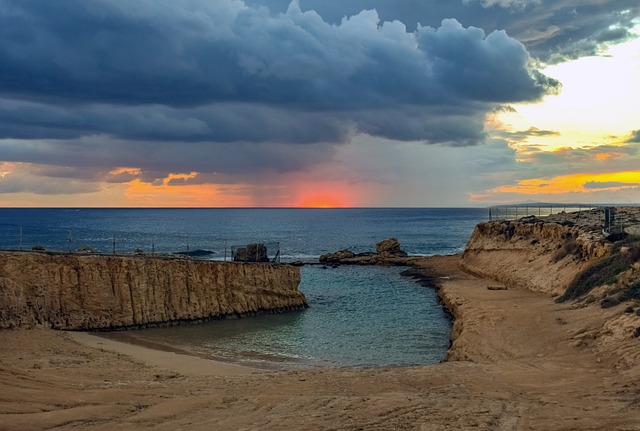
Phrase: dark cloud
(225, 72)
(594, 185)
(580, 160)
(134, 53)
(508, 4)
(225, 122)
(21, 182)
(552, 30)
(635, 137)
(98, 155)
(523, 135)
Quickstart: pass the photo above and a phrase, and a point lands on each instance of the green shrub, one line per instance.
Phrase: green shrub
(569, 247)
(604, 271)
(596, 275)
(632, 292)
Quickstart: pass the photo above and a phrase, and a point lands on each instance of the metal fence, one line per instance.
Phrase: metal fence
(35, 238)
(513, 212)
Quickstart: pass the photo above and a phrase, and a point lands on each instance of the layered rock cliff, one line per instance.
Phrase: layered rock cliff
(69, 291)
(538, 254)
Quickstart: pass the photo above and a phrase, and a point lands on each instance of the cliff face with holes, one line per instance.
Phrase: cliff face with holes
(541, 256)
(74, 292)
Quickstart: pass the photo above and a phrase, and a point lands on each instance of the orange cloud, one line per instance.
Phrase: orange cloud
(608, 156)
(6, 168)
(168, 194)
(125, 170)
(575, 183)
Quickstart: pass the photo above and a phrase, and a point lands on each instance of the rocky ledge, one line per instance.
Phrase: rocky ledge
(79, 292)
(388, 252)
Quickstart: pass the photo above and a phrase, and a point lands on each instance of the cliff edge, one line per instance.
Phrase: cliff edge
(80, 292)
(542, 255)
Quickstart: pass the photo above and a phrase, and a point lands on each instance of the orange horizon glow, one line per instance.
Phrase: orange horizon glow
(171, 192)
(145, 194)
(322, 200)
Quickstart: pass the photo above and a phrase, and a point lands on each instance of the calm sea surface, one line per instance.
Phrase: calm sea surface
(358, 316)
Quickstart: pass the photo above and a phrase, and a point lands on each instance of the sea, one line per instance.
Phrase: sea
(358, 316)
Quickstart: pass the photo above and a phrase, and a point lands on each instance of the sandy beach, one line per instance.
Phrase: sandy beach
(518, 361)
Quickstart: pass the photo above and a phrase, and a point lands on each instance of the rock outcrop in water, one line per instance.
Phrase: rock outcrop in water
(388, 252)
(73, 292)
(390, 248)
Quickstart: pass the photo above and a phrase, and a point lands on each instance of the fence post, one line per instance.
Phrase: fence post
(114, 243)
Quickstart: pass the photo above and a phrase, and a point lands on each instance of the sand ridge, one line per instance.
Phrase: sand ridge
(519, 361)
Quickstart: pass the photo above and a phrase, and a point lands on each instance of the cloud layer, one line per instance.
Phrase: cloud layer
(222, 71)
(552, 30)
(96, 92)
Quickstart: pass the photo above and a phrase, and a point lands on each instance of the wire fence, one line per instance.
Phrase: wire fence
(514, 212)
(196, 246)
(611, 220)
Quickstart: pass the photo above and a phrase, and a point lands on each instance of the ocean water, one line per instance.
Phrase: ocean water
(358, 316)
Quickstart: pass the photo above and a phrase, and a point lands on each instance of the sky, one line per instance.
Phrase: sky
(318, 103)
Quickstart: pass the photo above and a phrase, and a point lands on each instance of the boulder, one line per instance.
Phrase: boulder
(338, 256)
(390, 248)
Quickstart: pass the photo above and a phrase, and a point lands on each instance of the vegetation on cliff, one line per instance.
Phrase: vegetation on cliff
(616, 275)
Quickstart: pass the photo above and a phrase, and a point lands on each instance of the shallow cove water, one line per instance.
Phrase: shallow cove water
(357, 316)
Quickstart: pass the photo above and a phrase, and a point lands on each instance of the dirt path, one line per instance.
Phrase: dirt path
(519, 361)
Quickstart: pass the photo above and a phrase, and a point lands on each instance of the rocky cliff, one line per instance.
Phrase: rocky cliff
(541, 255)
(70, 291)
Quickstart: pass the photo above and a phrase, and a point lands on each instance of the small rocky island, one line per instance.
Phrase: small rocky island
(388, 252)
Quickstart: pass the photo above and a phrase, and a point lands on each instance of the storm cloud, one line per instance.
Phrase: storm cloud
(222, 71)
(552, 30)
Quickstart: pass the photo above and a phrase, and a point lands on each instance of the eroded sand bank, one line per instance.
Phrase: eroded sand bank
(518, 361)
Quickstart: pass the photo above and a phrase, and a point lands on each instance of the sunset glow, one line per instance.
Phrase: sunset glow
(321, 201)
(597, 102)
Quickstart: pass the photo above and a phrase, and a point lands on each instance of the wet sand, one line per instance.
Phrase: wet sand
(518, 361)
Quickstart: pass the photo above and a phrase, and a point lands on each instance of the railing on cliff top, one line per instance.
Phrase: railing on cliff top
(612, 220)
(513, 212)
(35, 238)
